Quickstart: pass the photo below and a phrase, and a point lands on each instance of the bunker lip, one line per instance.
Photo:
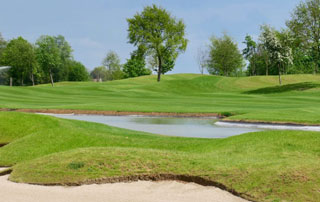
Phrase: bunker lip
(5, 171)
(155, 178)
(116, 113)
(3, 144)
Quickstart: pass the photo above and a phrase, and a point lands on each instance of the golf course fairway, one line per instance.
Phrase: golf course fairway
(260, 166)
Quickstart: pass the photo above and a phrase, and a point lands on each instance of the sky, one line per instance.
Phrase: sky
(94, 27)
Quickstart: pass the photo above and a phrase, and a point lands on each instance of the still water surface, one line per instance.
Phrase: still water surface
(182, 127)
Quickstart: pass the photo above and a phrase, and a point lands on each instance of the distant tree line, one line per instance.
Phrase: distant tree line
(49, 60)
(159, 38)
(291, 50)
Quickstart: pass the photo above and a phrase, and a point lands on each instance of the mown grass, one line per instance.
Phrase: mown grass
(248, 98)
(265, 166)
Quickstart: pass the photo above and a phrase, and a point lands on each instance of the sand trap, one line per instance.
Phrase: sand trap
(141, 191)
(2, 169)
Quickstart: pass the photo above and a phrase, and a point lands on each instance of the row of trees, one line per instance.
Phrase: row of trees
(159, 38)
(49, 59)
(294, 49)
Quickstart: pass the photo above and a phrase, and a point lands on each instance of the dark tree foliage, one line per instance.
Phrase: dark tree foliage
(20, 56)
(77, 71)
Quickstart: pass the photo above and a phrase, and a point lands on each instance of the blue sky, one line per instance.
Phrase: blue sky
(93, 27)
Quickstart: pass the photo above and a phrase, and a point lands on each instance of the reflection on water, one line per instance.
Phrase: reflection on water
(182, 127)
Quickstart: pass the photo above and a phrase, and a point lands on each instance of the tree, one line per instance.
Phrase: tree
(20, 55)
(264, 46)
(277, 47)
(3, 44)
(161, 34)
(111, 61)
(99, 73)
(250, 53)
(113, 66)
(305, 25)
(48, 55)
(225, 57)
(202, 59)
(77, 71)
(65, 51)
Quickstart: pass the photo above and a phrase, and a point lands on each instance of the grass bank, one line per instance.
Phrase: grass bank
(263, 166)
(257, 98)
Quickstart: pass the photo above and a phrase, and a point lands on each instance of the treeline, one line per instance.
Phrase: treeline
(112, 69)
(294, 49)
(48, 60)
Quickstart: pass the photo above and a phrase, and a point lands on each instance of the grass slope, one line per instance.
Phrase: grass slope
(265, 166)
(248, 98)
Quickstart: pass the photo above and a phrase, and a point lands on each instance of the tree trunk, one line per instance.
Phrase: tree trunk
(51, 78)
(10, 81)
(267, 69)
(32, 79)
(279, 68)
(21, 81)
(159, 68)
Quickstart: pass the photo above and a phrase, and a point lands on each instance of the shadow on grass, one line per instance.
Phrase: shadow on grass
(285, 88)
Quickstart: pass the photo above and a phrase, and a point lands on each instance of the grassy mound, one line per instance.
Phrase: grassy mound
(248, 98)
(265, 166)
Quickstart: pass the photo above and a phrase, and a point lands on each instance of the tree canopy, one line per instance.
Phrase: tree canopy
(49, 55)
(224, 57)
(305, 25)
(20, 55)
(161, 34)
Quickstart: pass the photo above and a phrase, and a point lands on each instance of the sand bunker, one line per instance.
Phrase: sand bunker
(141, 191)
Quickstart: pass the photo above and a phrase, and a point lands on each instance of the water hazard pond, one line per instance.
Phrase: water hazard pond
(171, 126)
(182, 127)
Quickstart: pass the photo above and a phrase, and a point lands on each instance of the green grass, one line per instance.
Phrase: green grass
(265, 166)
(248, 98)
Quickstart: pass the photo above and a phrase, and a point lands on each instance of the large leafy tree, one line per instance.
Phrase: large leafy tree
(111, 61)
(161, 34)
(224, 57)
(77, 71)
(278, 46)
(250, 53)
(66, 58)
(113, 66)
(264, 46)
(48, 55)
(20, 55)
(305, 25)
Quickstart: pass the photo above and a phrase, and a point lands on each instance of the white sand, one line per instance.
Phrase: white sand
(141, 191)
